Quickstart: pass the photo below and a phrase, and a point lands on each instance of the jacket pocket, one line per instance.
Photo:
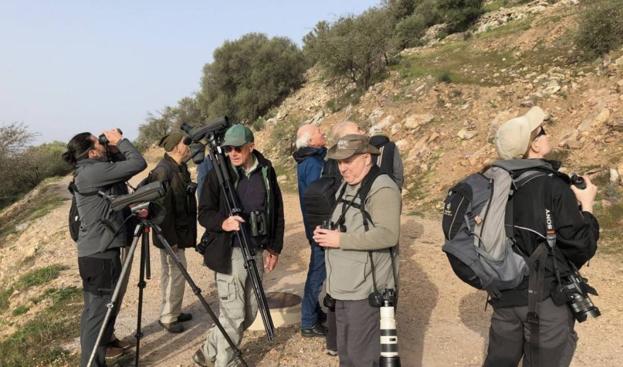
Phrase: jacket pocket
(349, 270)
(99, 276)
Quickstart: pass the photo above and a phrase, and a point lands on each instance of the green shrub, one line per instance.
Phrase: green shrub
(600, 28)
(410, 29)
(20, 310)
(460, 14)
(249, 76)
(352, 49)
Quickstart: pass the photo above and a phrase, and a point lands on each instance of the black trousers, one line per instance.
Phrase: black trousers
(509, 337)
(99, 277)
(358, 333)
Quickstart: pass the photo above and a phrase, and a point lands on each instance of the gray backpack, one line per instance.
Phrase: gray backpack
(478, 225)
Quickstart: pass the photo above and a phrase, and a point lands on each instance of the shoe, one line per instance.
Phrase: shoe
(315, 331)
(183, 317)
(200, 360)
(175, 327)
(331, 352)
(112, 354)
(125, 343)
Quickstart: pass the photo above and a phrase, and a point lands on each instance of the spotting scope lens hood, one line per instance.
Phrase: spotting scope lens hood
(143, 194)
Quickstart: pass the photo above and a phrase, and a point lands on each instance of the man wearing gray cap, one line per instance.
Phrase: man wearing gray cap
(361, 253)
(179, 226)
(541, 332)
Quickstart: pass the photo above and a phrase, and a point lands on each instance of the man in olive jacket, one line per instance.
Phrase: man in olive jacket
(179, 226)
(356, 250)
(256, 185)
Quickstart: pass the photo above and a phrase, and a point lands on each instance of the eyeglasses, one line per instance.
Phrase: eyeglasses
(229, 148)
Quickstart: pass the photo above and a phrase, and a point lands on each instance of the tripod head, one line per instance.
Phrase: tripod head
(210, 135)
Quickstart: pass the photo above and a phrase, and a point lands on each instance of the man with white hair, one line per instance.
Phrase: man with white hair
(309, 156)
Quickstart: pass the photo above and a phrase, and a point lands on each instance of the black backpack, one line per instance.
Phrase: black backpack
(385, 160)
(74, 217)
(319, 197)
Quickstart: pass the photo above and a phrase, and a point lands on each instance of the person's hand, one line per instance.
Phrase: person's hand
(586, 197)
(270, 260)
(327, 237)
(113, 136)
(232, 223)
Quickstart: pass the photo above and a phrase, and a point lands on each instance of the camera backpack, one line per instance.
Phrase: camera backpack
(478, 225)
(319, 197)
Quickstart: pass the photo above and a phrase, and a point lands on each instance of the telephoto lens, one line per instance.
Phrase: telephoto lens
(389, 337)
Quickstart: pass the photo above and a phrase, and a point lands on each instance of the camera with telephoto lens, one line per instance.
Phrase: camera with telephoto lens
(574, 291)
(386, 302)
(104, 140)
(577, 181)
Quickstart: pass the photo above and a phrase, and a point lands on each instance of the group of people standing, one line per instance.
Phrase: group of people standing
(353, 252)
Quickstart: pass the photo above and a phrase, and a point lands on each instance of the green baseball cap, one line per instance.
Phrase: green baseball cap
(237, 136)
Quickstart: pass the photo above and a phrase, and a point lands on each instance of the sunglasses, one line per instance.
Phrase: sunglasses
(540, 132)
(229, 148)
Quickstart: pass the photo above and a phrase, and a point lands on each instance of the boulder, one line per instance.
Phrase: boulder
(413, 122)
(615, 178)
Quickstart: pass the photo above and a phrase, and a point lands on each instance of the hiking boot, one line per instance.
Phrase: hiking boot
(200, 359)
(331, 352)
(183, 317)
(113, 354)
(315, 331)
(175, 327)
(125, 343)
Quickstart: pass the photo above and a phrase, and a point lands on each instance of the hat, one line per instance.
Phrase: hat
(513, 137)
(169, 141)
(351, 144)
(237, 136)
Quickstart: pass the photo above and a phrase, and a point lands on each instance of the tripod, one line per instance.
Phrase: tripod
(142, 232)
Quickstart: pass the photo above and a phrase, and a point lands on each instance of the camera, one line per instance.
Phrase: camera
(104, 140)
(212, 134)
(574, 291)
(577, 181)
(386, 301)
(326, 224)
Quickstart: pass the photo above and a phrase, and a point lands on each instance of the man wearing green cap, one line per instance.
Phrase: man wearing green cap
(361, 248)
(179, 226)
(255, 181)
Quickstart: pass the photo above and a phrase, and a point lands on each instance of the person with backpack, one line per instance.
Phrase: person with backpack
(255, 182)
(102, 232)
(361, 254)
(179, 226)
(309, 156)
(554, 235)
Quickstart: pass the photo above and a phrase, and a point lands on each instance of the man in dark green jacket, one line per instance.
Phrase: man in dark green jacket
(256, 185)
(179, 226)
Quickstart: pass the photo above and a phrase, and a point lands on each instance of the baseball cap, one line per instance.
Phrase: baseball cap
(237, 136)
(169, 141)
(351, 144)
(513, 137)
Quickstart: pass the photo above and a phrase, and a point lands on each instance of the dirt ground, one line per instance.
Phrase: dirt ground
(441, 321)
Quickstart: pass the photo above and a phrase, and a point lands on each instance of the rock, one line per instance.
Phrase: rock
(376, 115)
(552, 88)
(402, 144)
(619, 62)
(465, 134)
(615, 178)
(602, 118)
(415, 121)
(620, 86)
(384, 124)
(395, 129)
(318, 116)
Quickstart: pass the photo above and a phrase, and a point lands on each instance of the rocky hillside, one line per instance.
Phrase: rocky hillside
(442, 102)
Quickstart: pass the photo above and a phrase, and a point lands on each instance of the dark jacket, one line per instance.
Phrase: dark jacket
(310, 162)
(213, 211)
(179, 225)
(577, 231)
(100, 228)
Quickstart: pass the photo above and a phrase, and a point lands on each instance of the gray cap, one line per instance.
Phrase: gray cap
(351, 144)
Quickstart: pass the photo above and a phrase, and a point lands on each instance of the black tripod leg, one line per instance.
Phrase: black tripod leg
(124, 273)
(197, 292)
(144, 264)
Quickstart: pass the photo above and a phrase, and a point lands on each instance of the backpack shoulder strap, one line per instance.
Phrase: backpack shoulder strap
(366, 185)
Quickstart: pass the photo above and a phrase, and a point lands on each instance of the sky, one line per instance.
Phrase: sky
(85, 65)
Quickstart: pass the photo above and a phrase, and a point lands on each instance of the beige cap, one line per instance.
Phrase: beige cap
(513, 137)
(349, 145)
